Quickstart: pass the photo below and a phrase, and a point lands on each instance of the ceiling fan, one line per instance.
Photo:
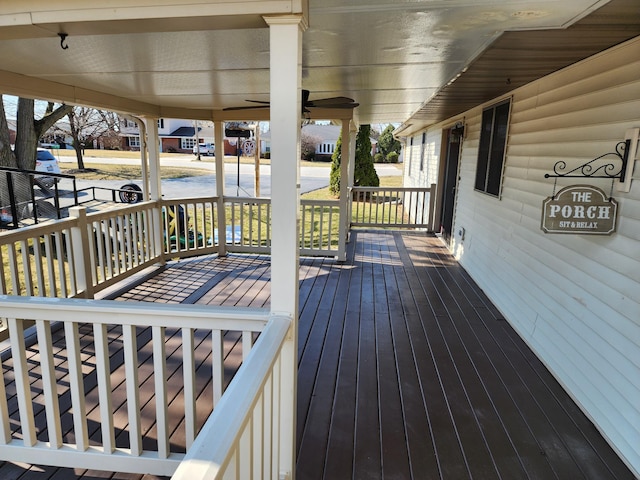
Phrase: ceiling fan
(333, 102)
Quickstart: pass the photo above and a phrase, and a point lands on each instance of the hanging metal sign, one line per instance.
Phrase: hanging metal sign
(579, 209)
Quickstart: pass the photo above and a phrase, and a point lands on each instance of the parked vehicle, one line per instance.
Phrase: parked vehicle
(46, 162)
(205, 149)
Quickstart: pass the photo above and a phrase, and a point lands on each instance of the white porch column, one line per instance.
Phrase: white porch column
(155, 189)
(353, 133)
(346, 182)
(154, 157)
(218, 135)
(285, 36)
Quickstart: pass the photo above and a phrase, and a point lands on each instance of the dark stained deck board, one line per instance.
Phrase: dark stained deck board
(474, 413)
(451, 380)
(323, 362)
(561, 412)
(508, 389)
(406, 370)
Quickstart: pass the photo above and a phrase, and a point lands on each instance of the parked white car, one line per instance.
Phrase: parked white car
(205, 149)
(46, 162)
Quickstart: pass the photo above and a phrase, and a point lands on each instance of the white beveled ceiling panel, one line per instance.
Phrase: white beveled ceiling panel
(390, 56)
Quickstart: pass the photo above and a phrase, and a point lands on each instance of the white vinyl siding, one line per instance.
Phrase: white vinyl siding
(422, 166)
(575, 299)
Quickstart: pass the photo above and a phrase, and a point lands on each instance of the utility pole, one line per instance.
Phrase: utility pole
(197, 140)
(256, 182)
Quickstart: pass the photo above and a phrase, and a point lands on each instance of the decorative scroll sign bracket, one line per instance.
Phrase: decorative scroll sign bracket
(617, 165)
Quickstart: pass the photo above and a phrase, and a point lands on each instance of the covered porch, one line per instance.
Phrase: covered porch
(405, 370)
(390, 364)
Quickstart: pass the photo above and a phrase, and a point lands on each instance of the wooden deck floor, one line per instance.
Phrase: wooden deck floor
(406, 371)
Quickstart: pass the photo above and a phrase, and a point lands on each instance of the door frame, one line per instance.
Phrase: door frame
(442, 177)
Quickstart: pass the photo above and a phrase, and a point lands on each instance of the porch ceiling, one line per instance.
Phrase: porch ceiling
(192, 58)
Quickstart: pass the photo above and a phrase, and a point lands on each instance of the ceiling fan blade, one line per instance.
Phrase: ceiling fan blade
(332, 102)
(246, 108)
(335, 105)
(321, 102)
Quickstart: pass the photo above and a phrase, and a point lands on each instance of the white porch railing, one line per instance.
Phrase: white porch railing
(79, 255)
(398, 207)
(86, 253)
(122, 336)
(248, 224)
(190, 226)
(242, 437)
(320, 220)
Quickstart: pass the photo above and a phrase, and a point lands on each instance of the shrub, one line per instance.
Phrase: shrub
(334, 177)
(378, 158)
(392, 157)
(364, 172)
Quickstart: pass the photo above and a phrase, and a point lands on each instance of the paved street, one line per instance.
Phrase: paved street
(311, 178)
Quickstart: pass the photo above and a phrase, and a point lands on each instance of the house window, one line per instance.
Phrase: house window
(134, 141)
(187, 143)
(410, 154)
(493, 141)
(161, 123)
(424, 139)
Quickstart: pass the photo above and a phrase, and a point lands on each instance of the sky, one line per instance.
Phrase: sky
(11, 105)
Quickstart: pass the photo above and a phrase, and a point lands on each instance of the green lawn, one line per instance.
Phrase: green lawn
(112, 171)
(324, 194)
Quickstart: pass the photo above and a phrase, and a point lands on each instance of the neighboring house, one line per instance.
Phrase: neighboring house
(176, 135)
(573, 298)
(328, 136)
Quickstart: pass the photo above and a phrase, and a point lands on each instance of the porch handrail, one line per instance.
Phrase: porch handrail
(79, 255)
(393, 207)
(67, 377)
(191, 226)
(88, 252)
(240, 439)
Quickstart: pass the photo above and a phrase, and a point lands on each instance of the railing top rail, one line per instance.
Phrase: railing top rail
(391, 189)
(171, 201)
(120, 210)
(212, 448)
(327, 203)
(247, 199)
(130, 313)
(36, 173)
(36, 230)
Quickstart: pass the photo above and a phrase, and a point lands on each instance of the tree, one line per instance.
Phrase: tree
(364, 174)
(308, 145)
(86, 125)
(29, 130)
(336, 159)
(388, 144)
